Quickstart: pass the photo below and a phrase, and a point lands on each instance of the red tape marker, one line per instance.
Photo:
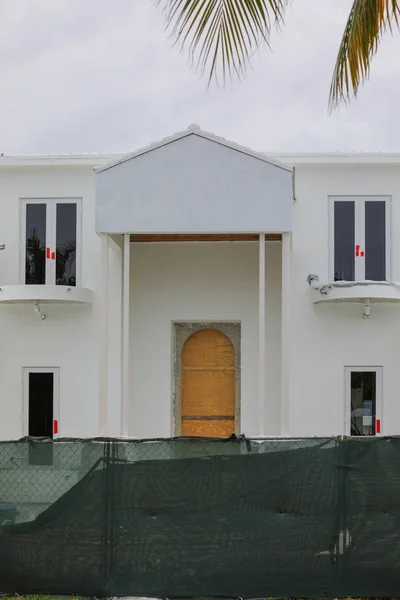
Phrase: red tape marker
(47, 252)
(53, 255)
(378, 426)
(357, 250)
(55, 426)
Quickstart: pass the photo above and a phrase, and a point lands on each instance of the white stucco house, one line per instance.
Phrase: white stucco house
(196, 287)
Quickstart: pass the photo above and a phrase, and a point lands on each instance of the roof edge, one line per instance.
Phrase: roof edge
(337, 158)
(101, 161)
(193, 130)
(61, 160)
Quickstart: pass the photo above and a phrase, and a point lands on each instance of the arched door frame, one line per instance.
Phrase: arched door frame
(182, 332)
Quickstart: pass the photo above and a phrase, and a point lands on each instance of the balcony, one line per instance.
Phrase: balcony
(365, 292)
(44, 294)
(19, 294)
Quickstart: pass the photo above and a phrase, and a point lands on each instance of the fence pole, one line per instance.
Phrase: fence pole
(105, 542)
(342, 534)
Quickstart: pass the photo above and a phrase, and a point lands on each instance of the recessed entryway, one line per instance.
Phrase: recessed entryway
(363, 411)
(207, 379)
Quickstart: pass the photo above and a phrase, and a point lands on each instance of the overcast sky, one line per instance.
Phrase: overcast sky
(100, 75)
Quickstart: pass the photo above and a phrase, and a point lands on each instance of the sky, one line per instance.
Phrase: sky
(103, 75)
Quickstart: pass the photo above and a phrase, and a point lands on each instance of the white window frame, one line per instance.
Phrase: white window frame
(359, 232)
(51, 224)
(379, 395)
(25, 396)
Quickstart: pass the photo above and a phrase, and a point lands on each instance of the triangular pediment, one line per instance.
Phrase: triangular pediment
(193, 182)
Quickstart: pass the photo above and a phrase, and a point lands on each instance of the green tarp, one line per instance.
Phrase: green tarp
(187, 518)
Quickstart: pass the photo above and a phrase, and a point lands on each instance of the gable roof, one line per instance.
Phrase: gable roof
(193, 130)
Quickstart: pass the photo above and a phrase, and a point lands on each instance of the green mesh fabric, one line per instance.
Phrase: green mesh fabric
(194, 518)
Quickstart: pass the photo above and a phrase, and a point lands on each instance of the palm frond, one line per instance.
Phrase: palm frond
(222, 34)
(65, 263)
(368, 20)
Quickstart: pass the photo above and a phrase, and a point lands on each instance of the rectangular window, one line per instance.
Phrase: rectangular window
(35, 244)
(375, 240)
(66, 244)
(50, 242)
(363, 401)
(360, 248)
(344, 241)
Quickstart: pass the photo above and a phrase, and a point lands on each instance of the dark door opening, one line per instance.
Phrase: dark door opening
(363, 403)
(40, 416)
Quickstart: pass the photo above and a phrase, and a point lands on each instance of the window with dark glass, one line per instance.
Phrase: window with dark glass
(35, 244)
(66, 244)
(50, 247)
(375, 240)
(360, 244)
(363, 403)
(344, 242)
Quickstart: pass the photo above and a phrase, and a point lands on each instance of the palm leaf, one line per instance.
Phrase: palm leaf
(367, 21)
(35, 260)
(65, 257)
(222, 34)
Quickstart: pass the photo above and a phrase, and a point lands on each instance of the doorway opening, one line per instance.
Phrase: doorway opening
(41, 391)
(207, 379)
(363, 401)
(208, 385)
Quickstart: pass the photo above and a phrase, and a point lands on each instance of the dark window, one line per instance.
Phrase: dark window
(66, 244)
(363, 403)
(375, 240)
(41, 390)
(344, 246)
(35, 244)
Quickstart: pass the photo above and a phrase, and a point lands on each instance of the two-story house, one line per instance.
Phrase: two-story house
(196, 287)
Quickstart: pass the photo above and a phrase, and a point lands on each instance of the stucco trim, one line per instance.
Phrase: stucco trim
(181, 333)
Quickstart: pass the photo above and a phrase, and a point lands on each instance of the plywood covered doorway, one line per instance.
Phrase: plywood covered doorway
(208, 385)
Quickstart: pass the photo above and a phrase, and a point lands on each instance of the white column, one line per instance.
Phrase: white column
(261, 336)
(103, 335)
(125, 336)
(114, 334)
(285, 334)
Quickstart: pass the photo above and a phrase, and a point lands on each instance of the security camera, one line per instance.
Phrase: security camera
(311, 278)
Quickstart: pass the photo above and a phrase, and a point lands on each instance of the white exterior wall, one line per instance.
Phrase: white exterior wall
(181, 282)
(199, 282)
(68, 338)
(327, 337)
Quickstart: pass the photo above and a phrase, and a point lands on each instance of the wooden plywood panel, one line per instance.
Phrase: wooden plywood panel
(208, 347)
(208, 384)
(225, 353)
(201, 349)
(208, 428)
(208, 393)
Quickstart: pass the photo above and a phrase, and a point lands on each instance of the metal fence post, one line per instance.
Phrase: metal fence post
(105, 543)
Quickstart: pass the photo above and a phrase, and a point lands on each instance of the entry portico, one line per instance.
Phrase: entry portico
(217, 202)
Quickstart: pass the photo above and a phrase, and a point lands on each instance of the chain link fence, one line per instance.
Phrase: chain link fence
(181, 518)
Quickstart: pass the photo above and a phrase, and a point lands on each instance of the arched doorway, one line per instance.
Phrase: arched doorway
(208, 385)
